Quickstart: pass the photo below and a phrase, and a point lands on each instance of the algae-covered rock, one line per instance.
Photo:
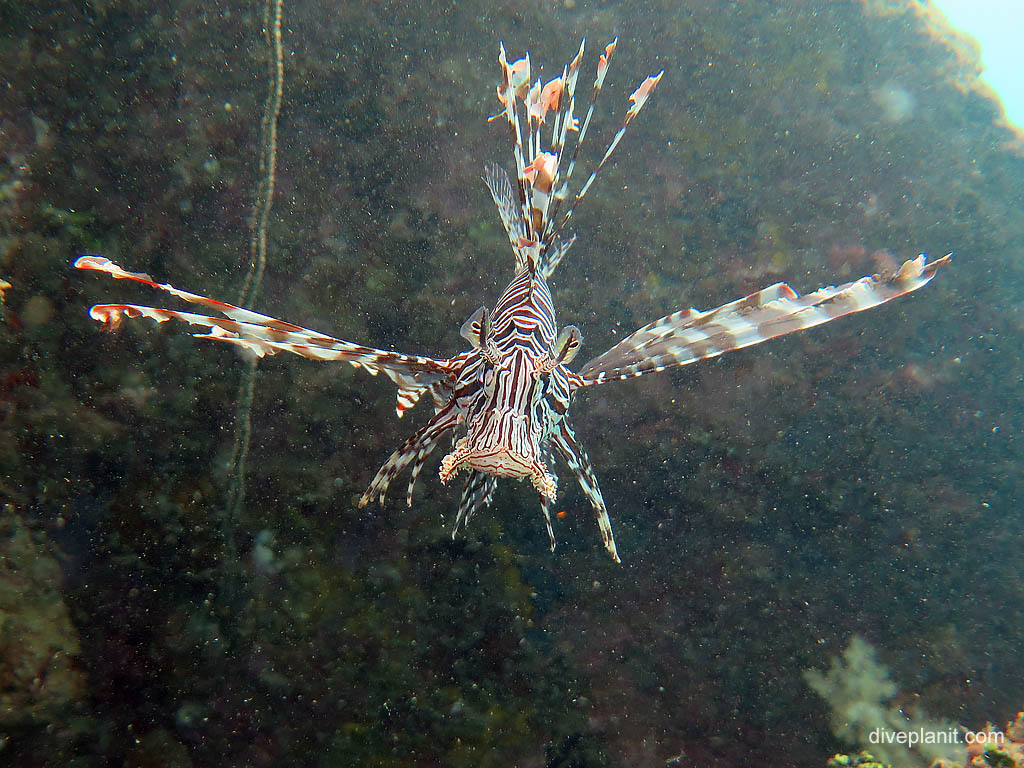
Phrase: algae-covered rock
(860, 760)
(39, 676)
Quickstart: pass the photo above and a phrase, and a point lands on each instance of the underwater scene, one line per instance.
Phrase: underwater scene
(802, 553)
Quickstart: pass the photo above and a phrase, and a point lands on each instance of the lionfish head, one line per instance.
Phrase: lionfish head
(505, 433)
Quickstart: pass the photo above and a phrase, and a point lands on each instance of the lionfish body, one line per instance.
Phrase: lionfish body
(505, 402)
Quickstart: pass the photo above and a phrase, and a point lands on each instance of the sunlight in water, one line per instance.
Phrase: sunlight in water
(996, 25)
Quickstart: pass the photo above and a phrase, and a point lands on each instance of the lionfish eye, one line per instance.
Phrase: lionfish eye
(567, 344)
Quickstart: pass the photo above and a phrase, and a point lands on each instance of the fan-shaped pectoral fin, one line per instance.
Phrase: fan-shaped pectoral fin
(690, 335)
(264, 335)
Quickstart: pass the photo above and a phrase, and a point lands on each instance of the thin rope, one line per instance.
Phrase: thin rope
(257, 258)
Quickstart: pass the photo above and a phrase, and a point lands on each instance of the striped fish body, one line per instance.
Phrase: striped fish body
(505, 401)
(509, 419)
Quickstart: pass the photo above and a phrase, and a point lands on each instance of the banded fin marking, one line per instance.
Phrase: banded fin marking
(500, 187)
(684, 337)
(531, 218)
(576, 457)
(545, 508)
(476, 494)
(264, 335)
(415, 450)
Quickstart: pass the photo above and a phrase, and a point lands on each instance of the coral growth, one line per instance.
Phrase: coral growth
(860, 760)
(859, 692)
(988, 748)
(992, 748)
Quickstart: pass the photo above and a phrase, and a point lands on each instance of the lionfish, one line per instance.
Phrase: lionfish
(505, 401)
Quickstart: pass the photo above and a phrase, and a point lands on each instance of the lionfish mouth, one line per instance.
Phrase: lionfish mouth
(500, 461)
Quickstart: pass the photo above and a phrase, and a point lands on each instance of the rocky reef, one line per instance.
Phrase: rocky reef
(42, 684)
(986, 748)
(859, 479)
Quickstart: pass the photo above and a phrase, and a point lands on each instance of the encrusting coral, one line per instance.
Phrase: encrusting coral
(989, 748)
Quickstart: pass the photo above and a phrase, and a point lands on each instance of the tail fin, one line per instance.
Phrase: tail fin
(534, 223)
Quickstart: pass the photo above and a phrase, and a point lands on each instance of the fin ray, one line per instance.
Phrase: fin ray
(685, 337)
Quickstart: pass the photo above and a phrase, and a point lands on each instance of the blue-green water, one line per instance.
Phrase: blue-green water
(993, 24)
(860, 479)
